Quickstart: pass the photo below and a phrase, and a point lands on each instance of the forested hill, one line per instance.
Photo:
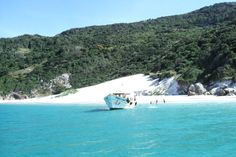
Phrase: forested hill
(201, 46)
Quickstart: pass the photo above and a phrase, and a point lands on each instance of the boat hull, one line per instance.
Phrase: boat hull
(115, 102)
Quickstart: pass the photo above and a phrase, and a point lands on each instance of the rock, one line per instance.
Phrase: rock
(220, 84)
(33, 93)
(182, 90)
(25, 96)
(230, 91)
(167, 86)
(220, 92)
(173, 88)
(190, 93)
(213, 91)
(60, 84)
(54, 86)
(223, 88)
(199, 89)
(63, 80)
(196, 89)
(192, 88)
(230, 94)
(207, 93)
(16, 96)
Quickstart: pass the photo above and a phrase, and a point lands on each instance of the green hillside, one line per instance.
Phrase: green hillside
(201, 46)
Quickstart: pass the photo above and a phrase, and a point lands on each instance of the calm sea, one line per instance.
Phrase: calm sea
(205, 130)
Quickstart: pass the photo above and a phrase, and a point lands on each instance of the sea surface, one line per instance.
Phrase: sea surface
(176, 130)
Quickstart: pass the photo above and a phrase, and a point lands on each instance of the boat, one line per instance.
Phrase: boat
(120, 100)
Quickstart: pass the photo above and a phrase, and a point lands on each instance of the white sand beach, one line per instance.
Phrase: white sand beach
(135, 83)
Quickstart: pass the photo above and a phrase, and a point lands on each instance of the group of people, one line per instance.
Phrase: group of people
(156, 102)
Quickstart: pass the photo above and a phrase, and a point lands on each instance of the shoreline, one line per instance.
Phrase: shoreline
(144, 100)
(139, 84)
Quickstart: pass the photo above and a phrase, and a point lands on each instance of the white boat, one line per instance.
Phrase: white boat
(120, 100)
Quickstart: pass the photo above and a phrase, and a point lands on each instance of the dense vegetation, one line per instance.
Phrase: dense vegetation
(201, 46)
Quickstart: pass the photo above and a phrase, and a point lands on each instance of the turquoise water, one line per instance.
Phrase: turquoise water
(204, 130)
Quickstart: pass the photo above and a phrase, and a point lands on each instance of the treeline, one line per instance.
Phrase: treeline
(201, 46)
